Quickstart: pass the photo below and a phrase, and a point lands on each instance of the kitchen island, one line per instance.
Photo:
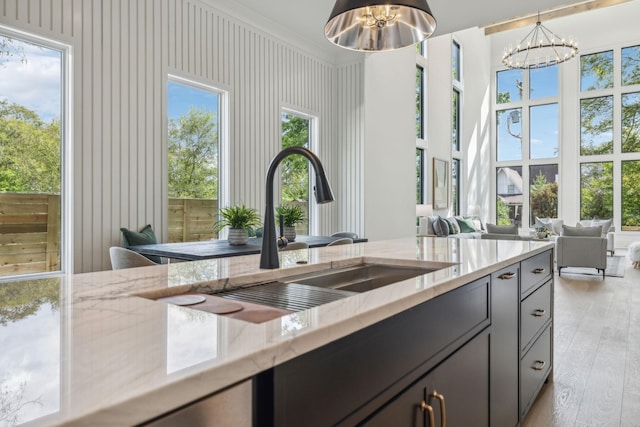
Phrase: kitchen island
(94, 353)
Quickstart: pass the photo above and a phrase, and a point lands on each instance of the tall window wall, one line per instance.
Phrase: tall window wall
(456, 108)
(32, 146)
(610, 135)
(193, 159)
(527, 129)
(421, 145)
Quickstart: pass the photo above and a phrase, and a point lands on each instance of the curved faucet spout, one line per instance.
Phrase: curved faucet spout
(322, 190)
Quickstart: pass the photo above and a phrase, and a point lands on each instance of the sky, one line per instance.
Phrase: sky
(181, 97)
(36, 82)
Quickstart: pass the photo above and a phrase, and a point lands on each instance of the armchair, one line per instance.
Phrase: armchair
(581, 251)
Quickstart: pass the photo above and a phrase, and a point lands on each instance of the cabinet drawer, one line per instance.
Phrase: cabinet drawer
(535, 313)
(534, 368)
(535, 270)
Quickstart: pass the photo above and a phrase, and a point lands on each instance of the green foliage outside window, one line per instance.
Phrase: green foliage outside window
(295, 168)
(543, 198)
(193, 156)
(502, 213)
(631, 195)
(29, 151)
(596, 190)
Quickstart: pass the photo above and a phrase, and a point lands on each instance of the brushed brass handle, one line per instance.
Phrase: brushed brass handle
(539, 365)
(539, 312)
(424, 406)
(539, 270)
(507, 276)
(443, 410)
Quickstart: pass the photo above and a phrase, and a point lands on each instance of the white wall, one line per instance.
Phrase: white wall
(389, 144)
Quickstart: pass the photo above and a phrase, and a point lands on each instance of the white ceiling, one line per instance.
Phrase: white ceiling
(305, 19)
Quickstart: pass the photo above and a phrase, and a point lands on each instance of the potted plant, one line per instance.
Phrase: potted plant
(239, 219)
(291, 215)
(542, 233)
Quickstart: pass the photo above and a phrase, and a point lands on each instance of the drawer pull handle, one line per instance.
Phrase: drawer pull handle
(507, 276)
(443, 411)
(539, 270)
(426, 407)
(539, 365)
(539, 312)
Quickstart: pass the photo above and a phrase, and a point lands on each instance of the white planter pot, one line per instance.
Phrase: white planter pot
(290, 233)
(237, 237)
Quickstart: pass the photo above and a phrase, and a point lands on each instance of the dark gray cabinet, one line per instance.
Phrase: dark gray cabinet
(478, 355)
(454, 393)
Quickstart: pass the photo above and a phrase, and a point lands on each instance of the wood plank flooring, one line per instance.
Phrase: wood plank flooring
(596, 377)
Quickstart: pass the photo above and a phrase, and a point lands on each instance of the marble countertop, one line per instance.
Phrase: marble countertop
(83, 350)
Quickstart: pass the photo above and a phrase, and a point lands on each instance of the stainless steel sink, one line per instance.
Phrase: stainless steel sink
(359, 278)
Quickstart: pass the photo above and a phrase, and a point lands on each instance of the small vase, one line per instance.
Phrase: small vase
(238, 237)
(541, 235)
(290, 233)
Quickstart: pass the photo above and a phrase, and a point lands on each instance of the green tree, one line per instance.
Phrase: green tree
(193, 155)
(295, 169)
(29, 151)
(502, 213)
(544, 198)
(631, 195)
(596, 190)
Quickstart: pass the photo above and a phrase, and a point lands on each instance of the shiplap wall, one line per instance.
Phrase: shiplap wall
(123, 51)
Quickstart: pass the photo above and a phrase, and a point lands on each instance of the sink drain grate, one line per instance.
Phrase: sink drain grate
(288, 296)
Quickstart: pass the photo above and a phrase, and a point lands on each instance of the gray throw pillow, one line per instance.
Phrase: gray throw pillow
(502, 229)
(441, 227)
(604, 223)
(567, 230)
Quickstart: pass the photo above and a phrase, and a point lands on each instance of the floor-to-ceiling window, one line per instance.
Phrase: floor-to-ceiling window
(610, 135)
(421, 146)
(194, 159)
(456, 108)
(33, 142)
(527, 150)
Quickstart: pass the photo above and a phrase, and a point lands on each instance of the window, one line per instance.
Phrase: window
(596, 125)
(419, 176)
(32, 142)
(456, 131)
(419, 102)
(596, 190)
(296, 132)
(193, 160)
(610, 136)
(630, 196)
(527, 145)
(421, 144)
(455, 186)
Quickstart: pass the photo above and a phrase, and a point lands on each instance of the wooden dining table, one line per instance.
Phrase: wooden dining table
(194, 251)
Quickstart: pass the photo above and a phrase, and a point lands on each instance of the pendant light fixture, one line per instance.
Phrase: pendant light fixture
(540, 48)
(374, 25)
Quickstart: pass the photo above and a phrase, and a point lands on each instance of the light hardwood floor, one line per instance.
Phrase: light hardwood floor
(596, 377)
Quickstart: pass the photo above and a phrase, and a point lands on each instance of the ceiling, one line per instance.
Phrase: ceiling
(305, 19)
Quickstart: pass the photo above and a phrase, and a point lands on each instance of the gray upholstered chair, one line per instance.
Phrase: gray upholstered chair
(295, 246)
(581, 247)
(126, 258)
(343, 241)
(348, 234)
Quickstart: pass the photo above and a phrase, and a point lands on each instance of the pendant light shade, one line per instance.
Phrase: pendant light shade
(374, 25)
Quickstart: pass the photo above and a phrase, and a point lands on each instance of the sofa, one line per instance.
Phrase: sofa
(457, 227)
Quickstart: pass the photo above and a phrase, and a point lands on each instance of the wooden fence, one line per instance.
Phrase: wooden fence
(192, 220)
(29, 233)
(30, 229)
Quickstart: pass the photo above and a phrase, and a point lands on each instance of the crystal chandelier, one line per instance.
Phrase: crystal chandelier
(540, 48)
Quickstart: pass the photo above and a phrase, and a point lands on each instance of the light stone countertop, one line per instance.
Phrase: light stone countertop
(81, 350)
